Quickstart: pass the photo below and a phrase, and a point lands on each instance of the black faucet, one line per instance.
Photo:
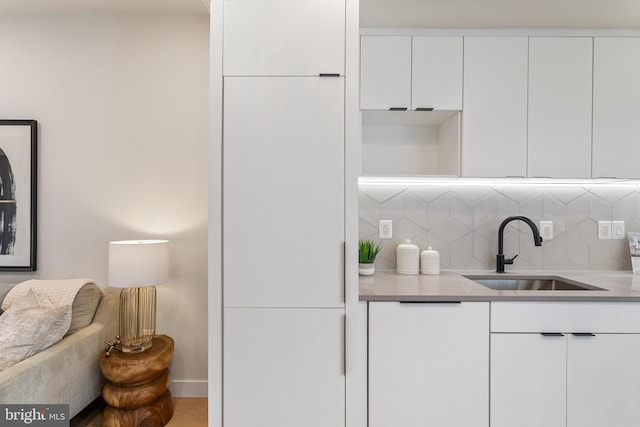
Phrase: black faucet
(500, 259)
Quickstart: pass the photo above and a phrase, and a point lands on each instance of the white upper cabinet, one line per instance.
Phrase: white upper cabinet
(560, 103)
(616, 107)
(385, 67)
(283, 188)
(558, 106)
(495, 107)
(411, 73)
(436, 73)
(284, 37)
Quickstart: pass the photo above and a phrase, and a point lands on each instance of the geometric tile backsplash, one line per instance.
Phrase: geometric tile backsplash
(461, 223)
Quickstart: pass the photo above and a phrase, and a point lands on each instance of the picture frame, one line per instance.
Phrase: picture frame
(18, 195)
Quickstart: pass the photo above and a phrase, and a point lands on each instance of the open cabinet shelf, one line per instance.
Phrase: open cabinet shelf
(411, 143)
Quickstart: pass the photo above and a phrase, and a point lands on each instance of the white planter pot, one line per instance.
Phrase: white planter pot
(366, 269)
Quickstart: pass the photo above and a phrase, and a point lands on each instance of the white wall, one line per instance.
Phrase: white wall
(122, 106)
(500, 13)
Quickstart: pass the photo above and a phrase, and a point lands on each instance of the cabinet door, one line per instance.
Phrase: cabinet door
(602, 381)
(560, 82)
(284, 367)
(385, 72)
(528, 380)
(616, 110)
(283, 37)
(428, 364)
(283, 214)
(436, 73)
(495, 107)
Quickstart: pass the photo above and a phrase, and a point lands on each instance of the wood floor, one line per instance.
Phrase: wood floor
(187, 412)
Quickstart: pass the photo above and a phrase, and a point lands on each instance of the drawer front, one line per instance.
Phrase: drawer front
(566, 317)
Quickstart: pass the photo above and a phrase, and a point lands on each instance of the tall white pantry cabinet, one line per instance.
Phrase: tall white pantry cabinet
(283, 213)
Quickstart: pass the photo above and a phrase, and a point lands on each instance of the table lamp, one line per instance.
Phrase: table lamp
(137, 266)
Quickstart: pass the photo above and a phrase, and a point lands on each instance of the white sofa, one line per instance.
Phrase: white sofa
(68, 372)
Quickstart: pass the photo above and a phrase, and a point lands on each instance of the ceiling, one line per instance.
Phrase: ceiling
(129, 6)
(500, 13)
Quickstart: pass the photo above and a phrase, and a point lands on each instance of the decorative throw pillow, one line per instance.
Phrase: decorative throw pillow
(30, 326)
(84, 307)
(82, 294)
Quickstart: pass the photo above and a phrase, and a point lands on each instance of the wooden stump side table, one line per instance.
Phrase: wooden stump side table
(136, 391)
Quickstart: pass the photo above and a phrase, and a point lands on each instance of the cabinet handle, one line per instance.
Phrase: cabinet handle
(430, 302)
(583, 334)
(424, 109)
(552, 334)
(398, 109)
(329, 74)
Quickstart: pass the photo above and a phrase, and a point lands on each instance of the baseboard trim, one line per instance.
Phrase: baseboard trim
(189, 388)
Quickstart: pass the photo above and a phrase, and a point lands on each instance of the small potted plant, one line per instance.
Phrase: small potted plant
(367, 252)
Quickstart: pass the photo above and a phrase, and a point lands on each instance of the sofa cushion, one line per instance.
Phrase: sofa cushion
(30, 326)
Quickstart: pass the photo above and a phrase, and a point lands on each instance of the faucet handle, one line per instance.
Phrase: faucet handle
(510, 260)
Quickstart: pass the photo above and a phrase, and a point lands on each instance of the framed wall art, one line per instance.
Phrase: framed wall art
(18, 166)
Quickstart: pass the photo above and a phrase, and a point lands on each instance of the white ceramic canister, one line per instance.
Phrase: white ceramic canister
(407, 258)
(429, 261)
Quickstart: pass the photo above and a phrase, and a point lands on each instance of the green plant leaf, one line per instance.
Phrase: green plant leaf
(368, 250)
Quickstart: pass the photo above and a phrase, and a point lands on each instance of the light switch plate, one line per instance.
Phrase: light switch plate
(546, 230)
(385, 229)
(617, 230)
(604, 230)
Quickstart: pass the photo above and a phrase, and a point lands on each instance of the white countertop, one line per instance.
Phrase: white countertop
(452, 286)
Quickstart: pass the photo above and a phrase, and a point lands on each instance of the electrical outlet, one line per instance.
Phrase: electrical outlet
(617, 229)
(385, 229)
(546, 230)
(604, 230)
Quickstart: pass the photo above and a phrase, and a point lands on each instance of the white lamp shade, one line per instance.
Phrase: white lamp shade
(137, 263)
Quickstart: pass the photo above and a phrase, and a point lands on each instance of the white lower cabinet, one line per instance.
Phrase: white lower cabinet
(284, 367)
(603, 380)
(570, 364)
(428, 364)
(528, 380)
(527, 364)
(565, 380)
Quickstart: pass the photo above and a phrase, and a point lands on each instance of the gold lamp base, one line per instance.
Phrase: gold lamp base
(137, 319)
(136, 348)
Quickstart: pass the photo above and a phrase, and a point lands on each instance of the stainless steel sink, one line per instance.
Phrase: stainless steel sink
(531, 283)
